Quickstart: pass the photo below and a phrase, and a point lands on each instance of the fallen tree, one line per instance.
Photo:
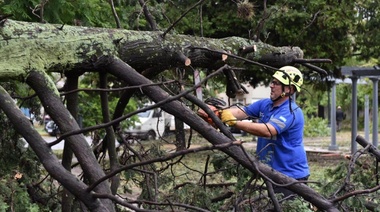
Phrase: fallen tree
(30, 51)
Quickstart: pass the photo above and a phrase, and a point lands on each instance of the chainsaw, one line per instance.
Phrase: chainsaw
(219, 104)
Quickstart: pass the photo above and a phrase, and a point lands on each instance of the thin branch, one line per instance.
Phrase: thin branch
(109, 139)
(313, 20)
(40, 7)
(307, 26)
(180, 18)
(302, 60)
(237, 57)
(148, 15)
(118, 25)
(245, 189)
(205, 172)
(222, 197)
(272, 196)
(121, 202)
(365, 191)
(201, 19)
(158, 104)
(115, 89)
(351, 168)
(162, 159)
(261, 22)
(372, 149)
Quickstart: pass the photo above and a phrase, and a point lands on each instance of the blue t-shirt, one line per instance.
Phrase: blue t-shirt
(284, 152)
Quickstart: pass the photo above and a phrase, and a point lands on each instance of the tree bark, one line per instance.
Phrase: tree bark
(110, 139)
(67, 155)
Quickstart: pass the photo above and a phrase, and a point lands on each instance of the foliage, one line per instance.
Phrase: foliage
(310, 24)
(230, 169)
(182, 180)
(251, 186)
(193, 195)
(281, 23)
(344, 97)
(316, 126)
(24, 97)
(15, 197)
(310, 98)
(82, 13)
(19, 170)
(361, 175)
(296, 205)
(367, 42)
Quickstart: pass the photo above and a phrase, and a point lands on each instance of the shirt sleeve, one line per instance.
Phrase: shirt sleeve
(281, 120)
(253, 110)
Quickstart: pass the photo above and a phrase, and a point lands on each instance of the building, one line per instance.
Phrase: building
(253, 95)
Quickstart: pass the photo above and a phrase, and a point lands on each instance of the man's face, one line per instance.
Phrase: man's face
(276, 89)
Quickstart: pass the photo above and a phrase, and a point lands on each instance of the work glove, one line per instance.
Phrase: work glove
(227, 117)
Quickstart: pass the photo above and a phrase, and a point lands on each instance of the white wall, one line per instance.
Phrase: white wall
(254, 94)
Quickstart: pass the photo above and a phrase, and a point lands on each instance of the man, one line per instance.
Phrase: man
(279, 127)
(339, 117)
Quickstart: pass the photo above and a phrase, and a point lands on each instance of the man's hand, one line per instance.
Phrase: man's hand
(228, 118)
(206, 117)
(203, 114)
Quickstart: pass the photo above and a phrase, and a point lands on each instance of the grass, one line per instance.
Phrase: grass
(318, 162)
(192, 167)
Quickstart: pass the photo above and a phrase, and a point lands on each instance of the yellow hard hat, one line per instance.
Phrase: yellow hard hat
(295, 75)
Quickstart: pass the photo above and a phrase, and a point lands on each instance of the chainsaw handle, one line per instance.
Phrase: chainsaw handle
(218, 103)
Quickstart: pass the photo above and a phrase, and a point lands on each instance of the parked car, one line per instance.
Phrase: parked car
(153, 123)
(51, 128)
(46, 119)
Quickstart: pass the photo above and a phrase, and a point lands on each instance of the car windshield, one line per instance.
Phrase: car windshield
(144, 114)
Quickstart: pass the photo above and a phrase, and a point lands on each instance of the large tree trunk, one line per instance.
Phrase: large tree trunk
(59, 48)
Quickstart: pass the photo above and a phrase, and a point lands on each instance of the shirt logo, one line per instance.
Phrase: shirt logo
(282, 118)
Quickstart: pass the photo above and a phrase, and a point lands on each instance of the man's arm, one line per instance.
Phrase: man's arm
(239, 113)
(258, 129)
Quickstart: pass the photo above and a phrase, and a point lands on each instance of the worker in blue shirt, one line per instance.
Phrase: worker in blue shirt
(279, 126)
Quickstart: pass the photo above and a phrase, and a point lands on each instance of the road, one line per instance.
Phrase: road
(60, 145)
